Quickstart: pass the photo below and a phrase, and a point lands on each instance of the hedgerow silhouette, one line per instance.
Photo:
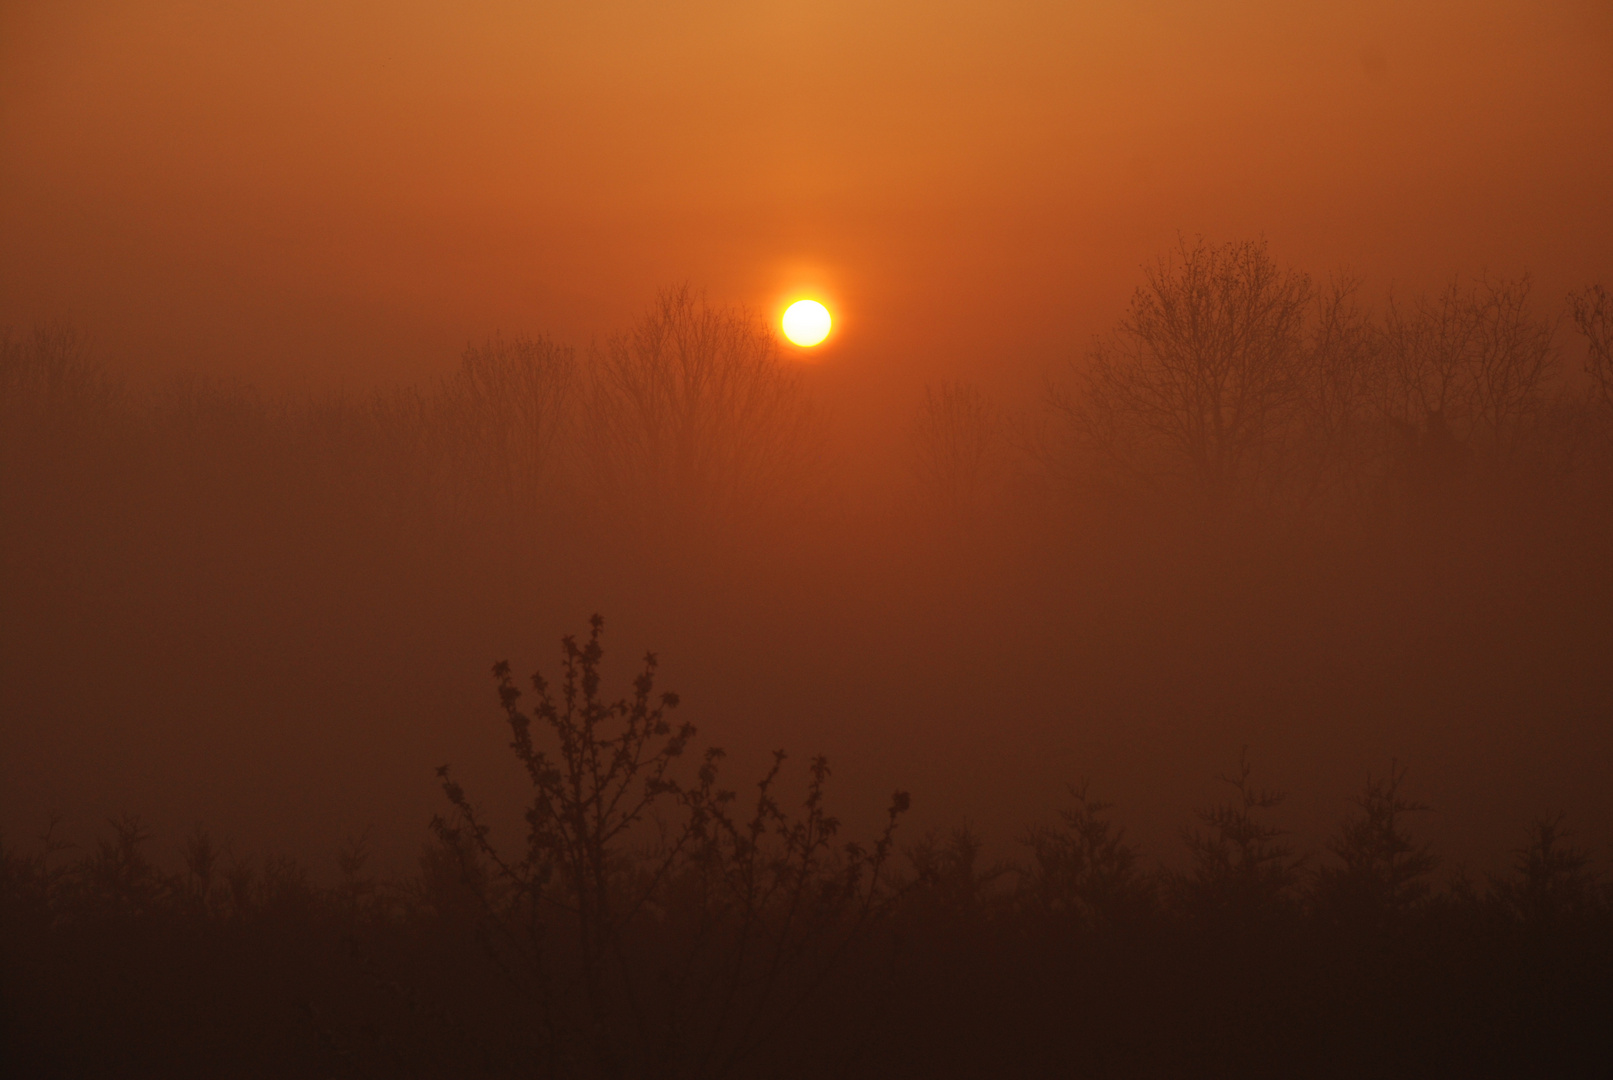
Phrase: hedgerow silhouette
(653, 923)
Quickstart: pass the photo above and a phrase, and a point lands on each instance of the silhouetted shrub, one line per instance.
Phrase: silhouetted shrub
(1086, 871)
(1240, 871)
(948, 881)
(734, 944)
(1383, 871)
(689, 953)
(692, 414)
(1553, 882)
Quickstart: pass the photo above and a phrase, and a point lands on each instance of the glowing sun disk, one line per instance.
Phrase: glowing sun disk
(806, 322)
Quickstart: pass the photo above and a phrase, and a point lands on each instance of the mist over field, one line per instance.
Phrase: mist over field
(276, 614)
(1211, 463)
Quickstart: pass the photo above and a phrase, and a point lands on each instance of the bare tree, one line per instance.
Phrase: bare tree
(1335, 419)
(1466, 371)
(1515, 360)
(1203, 374)
(1427, 346)
(493, 430)
(52, 372)
(1593, 315)
(694, 409)
(59, 405)
(956, 435)
(505, 410)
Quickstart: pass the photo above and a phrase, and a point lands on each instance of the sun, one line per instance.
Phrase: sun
(806, 322)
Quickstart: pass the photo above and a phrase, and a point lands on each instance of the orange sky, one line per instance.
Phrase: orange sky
(347, 192)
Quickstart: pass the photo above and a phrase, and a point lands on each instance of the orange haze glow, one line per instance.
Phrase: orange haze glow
(317, 200)
(345, 194)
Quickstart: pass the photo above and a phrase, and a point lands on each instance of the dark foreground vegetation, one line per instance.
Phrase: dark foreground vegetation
(654, 923)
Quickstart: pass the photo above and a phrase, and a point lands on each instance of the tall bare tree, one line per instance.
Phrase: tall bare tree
(1593, 315)
(495, 428)
(1203, 374)
(957, 433)
(505, 411)
(1466, 371)
(694, 409)
(1514, 364)
(1336, 423)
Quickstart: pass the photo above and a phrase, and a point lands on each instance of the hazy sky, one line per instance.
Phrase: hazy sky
(293, 189)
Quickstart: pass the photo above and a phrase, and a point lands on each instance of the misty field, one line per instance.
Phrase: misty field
(1266, 526)
(726, 539)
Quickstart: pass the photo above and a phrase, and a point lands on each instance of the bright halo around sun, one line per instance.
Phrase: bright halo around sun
(806, 322)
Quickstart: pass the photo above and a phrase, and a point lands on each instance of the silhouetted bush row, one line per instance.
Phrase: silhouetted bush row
(1075, 957)
(654, 923)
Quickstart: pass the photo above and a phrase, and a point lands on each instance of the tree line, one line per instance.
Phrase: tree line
(1233, 380)
(1230, 381)
(690, 414)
